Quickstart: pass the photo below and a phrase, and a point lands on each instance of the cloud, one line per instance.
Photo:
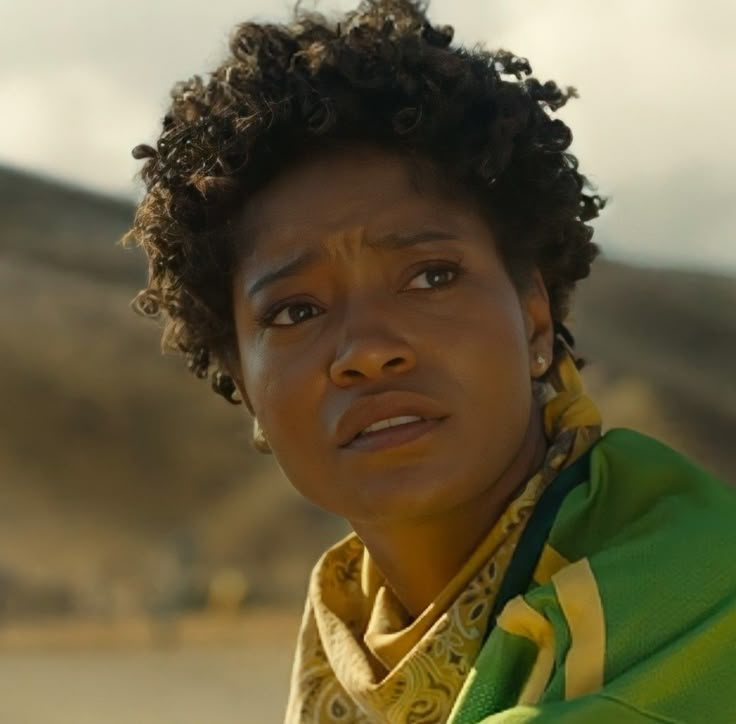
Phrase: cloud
(687, 218)
(652, 126)
(77, 123)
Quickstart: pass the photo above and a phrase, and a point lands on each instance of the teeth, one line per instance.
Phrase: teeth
(391, 422)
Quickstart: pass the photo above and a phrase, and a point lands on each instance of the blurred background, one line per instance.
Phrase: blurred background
(152, 564)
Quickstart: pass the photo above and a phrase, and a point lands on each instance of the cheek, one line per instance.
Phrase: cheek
(285, 389)
(490, 358)
(492, 334)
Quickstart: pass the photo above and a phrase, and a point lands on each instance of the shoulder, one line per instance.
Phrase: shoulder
(639, 489)
(623, 450)
(633, 602)
(646, 585)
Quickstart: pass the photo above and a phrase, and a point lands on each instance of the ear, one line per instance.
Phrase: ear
(231, 363)
(539, 322)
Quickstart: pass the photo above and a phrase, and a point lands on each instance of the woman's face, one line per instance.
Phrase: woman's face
(359, 299)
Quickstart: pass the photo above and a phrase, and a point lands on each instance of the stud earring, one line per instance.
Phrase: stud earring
(541, 359)
(259, 439)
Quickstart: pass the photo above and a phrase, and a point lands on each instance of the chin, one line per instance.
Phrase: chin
(398, 495)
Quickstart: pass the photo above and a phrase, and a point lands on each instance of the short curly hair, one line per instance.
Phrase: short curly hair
(381, 74)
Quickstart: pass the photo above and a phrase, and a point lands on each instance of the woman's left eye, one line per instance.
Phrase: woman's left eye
(437, 276)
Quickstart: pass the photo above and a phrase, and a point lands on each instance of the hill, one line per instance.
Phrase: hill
(66, 228)
(126, 484)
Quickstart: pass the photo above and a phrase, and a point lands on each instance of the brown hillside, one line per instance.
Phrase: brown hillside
(126, 484)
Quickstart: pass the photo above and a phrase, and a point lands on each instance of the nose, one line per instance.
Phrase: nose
(370, 349)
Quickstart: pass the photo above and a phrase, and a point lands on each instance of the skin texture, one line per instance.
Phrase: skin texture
(371, 319)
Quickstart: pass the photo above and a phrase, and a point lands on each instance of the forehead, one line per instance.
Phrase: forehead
(344, 190)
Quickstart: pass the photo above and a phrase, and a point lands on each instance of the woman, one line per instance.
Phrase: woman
(370, 237)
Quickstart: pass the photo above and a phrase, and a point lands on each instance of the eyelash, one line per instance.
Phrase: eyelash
(266, 319)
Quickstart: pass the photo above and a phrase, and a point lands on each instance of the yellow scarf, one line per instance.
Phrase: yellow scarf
(360, 657)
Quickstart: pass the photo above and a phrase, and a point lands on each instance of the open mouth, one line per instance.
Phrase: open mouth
(393, 432)
(390, 422)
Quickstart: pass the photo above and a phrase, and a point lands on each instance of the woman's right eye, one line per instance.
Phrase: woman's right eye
(290, 314)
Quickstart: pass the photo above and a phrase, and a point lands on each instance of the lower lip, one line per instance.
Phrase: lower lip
(393, 436)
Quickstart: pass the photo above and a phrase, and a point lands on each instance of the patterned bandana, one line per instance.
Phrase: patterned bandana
(361, 658)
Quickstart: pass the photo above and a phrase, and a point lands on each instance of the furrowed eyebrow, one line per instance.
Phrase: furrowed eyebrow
(390, 241)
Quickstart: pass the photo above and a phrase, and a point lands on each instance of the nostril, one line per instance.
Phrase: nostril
(395, 362)
(369, 358)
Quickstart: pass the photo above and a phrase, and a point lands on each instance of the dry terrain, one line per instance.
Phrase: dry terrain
(229, 672)
(127, 486)
(129, 492)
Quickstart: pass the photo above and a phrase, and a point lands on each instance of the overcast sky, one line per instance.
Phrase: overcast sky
(84, 81)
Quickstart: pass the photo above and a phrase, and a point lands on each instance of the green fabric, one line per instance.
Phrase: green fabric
(518, 577)
(660, 536)
(594, 709)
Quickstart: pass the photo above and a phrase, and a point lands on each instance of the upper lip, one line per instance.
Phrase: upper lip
(393, 403)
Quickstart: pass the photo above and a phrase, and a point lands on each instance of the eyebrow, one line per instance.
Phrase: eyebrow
(390, 241)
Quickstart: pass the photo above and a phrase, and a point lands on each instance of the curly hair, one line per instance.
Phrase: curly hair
(382, 74)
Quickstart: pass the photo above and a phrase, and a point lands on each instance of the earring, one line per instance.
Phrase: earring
(259, 439)
(541, 360)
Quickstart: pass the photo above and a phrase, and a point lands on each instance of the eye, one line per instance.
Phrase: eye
(437, 275)
(289, 314)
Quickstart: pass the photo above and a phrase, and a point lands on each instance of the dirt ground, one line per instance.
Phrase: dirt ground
(228, 673)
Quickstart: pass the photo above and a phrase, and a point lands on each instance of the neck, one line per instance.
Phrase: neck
(446, 542)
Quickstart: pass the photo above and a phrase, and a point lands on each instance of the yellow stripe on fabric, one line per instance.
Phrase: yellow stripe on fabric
(549, 563)
(520, 619)
(580, 600)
